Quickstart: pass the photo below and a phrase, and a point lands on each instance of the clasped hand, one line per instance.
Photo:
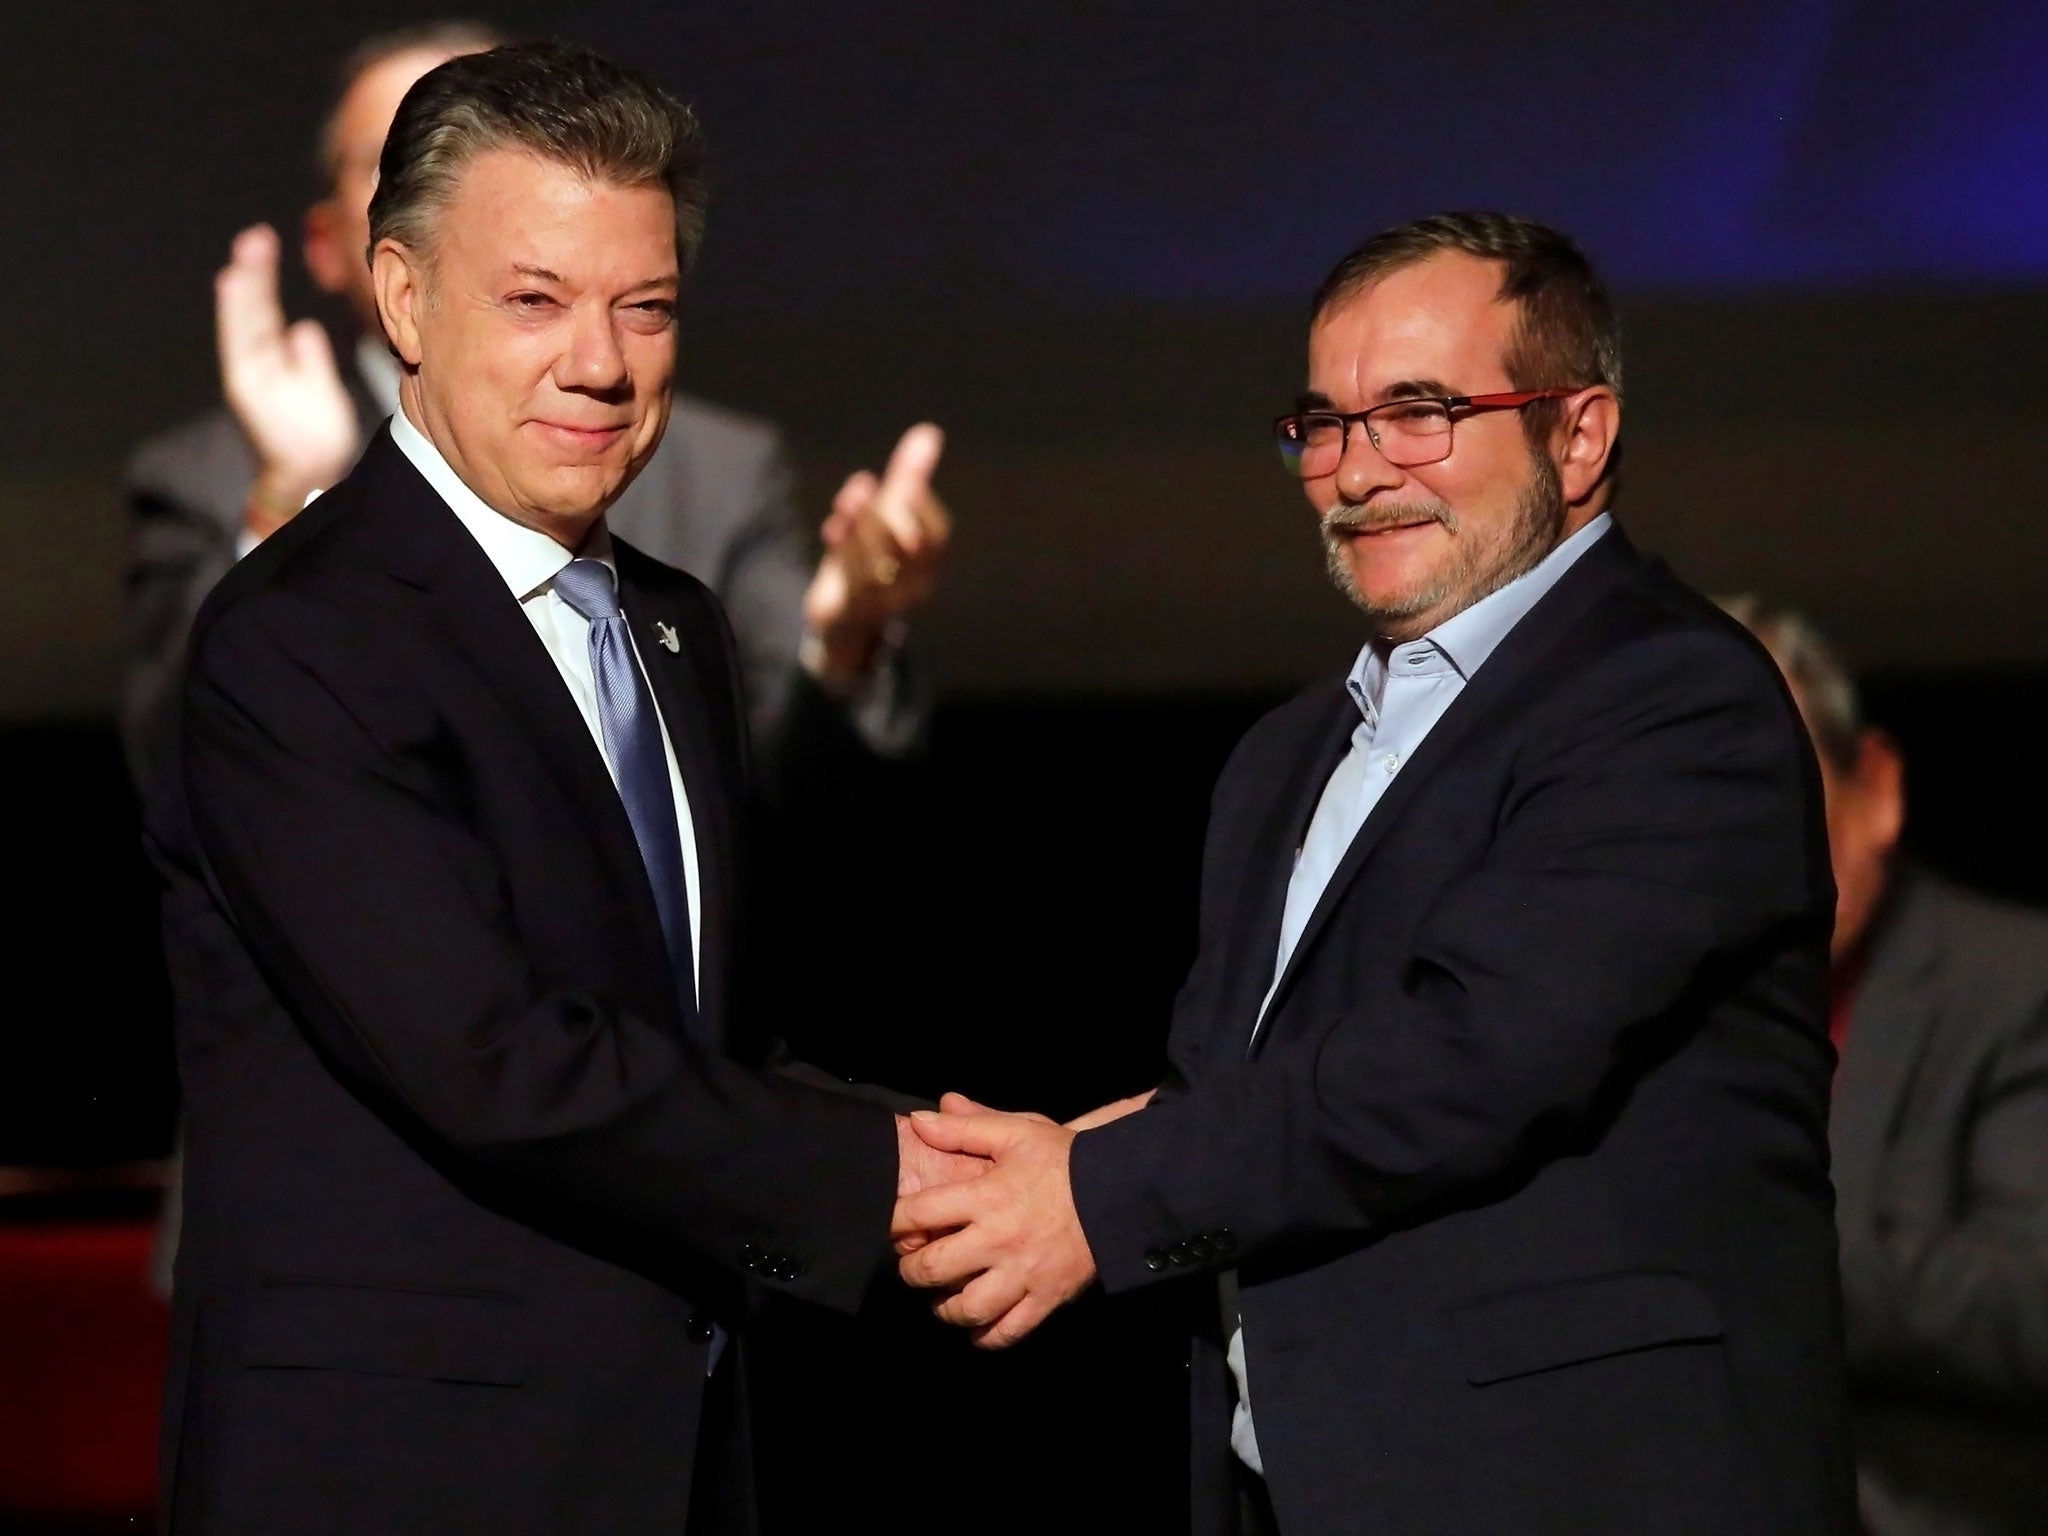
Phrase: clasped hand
(1003, 1243)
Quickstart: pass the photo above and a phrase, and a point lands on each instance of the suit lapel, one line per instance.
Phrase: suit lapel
(1254, 944)
(1505, 678)
(477, 618)
(1889, 1028)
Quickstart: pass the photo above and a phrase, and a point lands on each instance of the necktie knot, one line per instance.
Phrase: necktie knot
(586, 586)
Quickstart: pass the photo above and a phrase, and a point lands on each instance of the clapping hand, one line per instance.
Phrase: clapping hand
(282, 384)
(884, 542)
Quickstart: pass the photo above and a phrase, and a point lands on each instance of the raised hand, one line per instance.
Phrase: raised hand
(884, 542)
(282, 384)
(1007, 1247)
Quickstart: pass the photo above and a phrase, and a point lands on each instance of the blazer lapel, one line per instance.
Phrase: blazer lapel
(657, 621)
(1505, 677)
(477, 618)
(1889, 1029)
(1253, 945)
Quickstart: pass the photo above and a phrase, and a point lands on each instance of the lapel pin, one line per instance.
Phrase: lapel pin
(669, 642)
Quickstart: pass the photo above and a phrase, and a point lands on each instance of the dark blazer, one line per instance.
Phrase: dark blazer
(1940, 1133)
(715, 500)
(1524, 1180)
(462, 1199)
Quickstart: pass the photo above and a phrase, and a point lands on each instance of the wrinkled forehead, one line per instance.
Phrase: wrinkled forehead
(514, 208)
(1438, 323)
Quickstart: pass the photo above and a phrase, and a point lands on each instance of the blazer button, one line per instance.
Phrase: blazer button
(1154, 1260)
(698, 1330)
(1224, 1239)
(1178, 1253)
(751, 1258)
(1200, 1248)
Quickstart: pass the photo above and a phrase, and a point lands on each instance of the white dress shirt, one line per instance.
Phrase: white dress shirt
(1401, 691)
(529, 560)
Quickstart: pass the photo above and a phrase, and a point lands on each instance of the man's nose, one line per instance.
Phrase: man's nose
(1361, 468)
(594, 361)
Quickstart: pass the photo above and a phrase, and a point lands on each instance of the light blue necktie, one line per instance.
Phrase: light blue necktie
(631, 727)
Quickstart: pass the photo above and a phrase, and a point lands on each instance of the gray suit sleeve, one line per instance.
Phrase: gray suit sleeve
(181, 530)
(1950, 1293)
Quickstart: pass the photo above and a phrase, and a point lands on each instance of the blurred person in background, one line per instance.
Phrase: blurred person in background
(819, 640)
(1940, 1139)
(831, 701)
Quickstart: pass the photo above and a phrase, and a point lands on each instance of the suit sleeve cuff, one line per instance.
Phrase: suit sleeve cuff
(1142, 1225)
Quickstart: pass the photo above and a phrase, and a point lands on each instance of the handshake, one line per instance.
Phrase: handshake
(985, 1214)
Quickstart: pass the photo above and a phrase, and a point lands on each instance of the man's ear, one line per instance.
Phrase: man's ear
(320, 243)
(1585, 440)
(400, 281)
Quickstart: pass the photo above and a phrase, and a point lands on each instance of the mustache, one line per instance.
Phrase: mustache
(1361, 517)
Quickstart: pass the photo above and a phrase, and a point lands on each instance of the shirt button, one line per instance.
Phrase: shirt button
(1391, 761)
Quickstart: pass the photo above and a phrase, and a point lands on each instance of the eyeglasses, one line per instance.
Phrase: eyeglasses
(1407, 433)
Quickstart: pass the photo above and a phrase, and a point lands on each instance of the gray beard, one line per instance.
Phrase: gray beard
(1475, 571)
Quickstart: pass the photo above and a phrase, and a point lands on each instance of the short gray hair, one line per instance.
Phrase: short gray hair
(1834, 714)
(559, 101)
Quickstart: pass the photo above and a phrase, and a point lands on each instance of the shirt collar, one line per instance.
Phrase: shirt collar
(526, 558)
(1468, 637)
(378, 370)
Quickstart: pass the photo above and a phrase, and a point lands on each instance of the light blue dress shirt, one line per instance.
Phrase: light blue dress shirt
(1401, 691)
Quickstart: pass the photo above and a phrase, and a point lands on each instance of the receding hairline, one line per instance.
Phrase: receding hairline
(1356, 287)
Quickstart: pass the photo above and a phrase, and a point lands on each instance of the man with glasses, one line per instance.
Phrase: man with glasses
(1495, 1116)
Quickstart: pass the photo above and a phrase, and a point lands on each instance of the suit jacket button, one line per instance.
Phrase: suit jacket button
(1154, 1260)
(750, 1256)
(698, 1330)
(1200, 1248)
(1224, 1239)
(1178, 1253)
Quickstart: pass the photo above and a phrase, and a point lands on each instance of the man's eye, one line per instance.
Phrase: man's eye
(532, 301)
(658, 309)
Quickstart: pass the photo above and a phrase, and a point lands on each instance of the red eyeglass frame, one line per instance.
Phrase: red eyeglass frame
(1509, 400)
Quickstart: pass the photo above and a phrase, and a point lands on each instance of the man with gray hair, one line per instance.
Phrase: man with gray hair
(1940, 1141)
(452, 859)
(1494, 1115)
(821, 661)
(833, 705)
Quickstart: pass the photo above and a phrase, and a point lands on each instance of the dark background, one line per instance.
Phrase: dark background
(1081, 238)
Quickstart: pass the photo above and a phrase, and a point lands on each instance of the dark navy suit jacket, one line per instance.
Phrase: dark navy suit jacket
(462, 1199)
(1525, 1181)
